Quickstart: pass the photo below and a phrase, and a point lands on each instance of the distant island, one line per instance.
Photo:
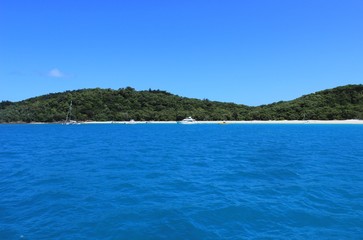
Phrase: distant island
(124, 104)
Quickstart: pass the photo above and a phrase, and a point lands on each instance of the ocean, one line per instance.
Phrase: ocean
(169, 181)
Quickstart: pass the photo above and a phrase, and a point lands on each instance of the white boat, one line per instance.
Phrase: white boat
(68, 120)
(188, 120)
(132, 121)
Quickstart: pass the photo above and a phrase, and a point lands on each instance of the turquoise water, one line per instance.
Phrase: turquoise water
(181, 181)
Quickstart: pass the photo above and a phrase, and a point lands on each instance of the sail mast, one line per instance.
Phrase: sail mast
(69, 112)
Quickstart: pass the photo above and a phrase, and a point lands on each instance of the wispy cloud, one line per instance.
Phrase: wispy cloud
(56, 73)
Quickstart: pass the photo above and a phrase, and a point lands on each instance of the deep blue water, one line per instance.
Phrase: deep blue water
(181, 182)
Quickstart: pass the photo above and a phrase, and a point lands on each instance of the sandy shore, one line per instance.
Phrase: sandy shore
(352, 121)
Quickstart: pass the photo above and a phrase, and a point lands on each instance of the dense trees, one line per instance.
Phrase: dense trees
(127, 103)
(339, 103)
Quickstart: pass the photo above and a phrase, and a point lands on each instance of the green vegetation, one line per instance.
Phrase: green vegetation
(338, 103)
(126, 103)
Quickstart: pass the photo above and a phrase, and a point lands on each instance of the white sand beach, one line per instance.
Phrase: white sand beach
(351, 121)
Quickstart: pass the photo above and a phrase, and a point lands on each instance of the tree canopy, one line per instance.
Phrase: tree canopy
(155, 105)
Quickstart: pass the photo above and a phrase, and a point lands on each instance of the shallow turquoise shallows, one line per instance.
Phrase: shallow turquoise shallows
(159, 181)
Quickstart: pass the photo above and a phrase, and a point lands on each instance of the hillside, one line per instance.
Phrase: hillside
(117, 105)
(339, 103)
(126, 103)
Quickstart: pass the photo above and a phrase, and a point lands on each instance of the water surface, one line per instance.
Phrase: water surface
(181, 181)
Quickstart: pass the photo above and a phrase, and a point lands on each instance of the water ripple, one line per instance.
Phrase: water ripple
(181, 182)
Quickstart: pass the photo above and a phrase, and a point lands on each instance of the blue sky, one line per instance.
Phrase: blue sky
(245, 51)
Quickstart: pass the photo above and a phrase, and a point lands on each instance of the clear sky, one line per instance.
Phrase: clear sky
(245, 51)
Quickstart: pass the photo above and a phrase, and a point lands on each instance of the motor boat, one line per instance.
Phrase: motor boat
(188, 120)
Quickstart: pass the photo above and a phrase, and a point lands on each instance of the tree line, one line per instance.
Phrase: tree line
(155, 105)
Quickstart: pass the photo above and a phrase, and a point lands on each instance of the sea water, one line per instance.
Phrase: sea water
(159, 181)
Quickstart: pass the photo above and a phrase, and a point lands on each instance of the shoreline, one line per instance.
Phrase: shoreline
(350, 121)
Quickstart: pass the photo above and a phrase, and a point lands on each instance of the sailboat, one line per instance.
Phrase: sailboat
(69, 115)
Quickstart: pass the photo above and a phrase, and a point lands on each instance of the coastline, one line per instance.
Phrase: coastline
(351, 121)
(287, 122)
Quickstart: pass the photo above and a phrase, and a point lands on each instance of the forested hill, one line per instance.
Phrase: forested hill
(339, 103)
(126, 103)
(117, 105)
